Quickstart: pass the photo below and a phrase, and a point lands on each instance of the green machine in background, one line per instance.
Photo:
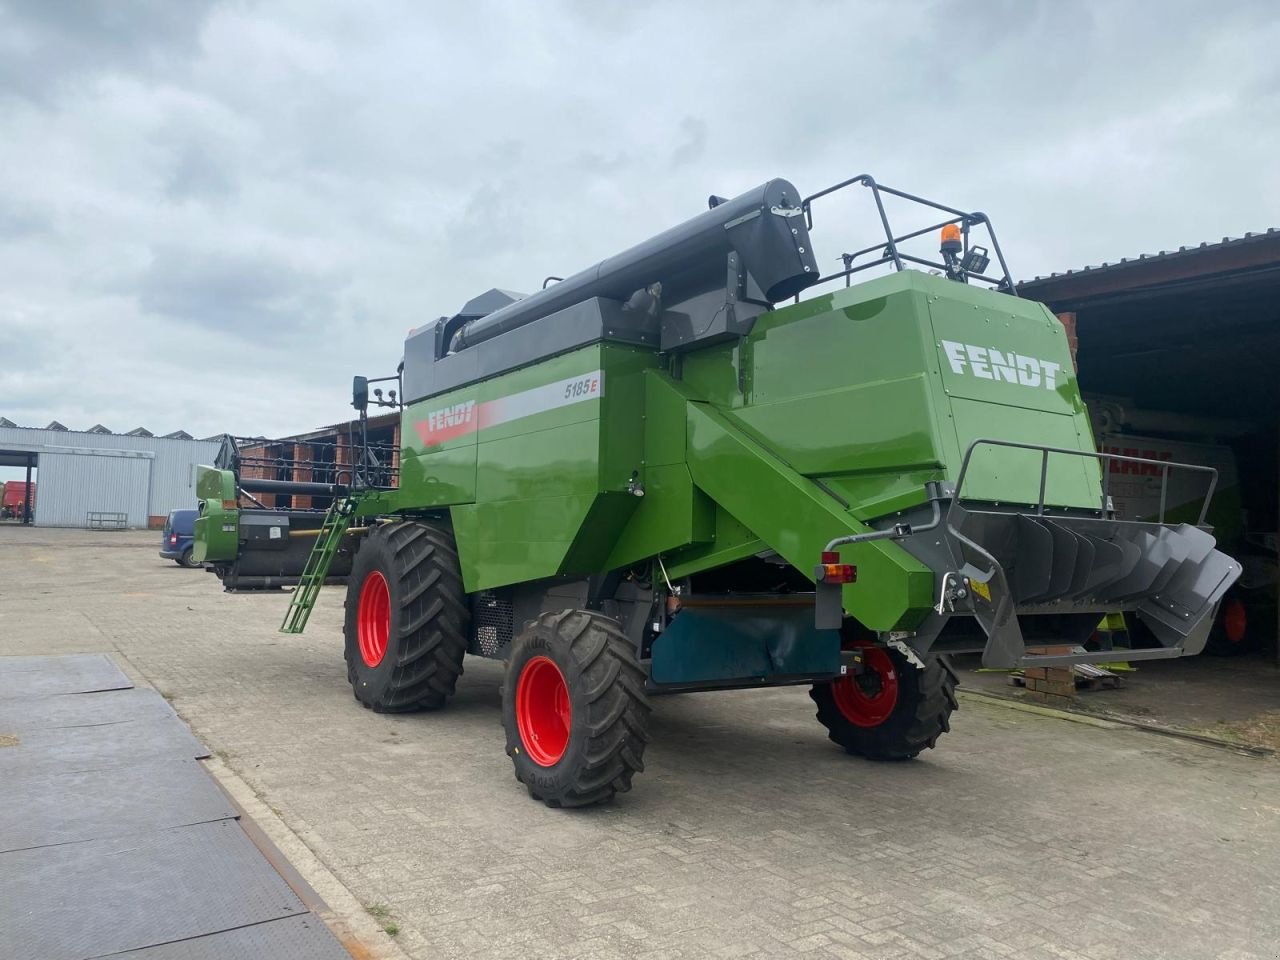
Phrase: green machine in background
(672, 472)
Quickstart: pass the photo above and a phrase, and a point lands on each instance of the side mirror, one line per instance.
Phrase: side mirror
(360, 393)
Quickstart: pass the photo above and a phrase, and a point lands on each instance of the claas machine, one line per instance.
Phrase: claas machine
(685, 468)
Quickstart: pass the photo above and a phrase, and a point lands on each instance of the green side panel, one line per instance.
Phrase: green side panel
(671, 514)
(796, 518)
(563, 459)
(877, 388)
(217, 530)
(442, 477)
(515, 540)
(549, 453)
(1013, 380)
(442, 473)
(729, 542)
(664, 422)
(896, 438)
(591, 548)
(705, 645)
(1010, 475)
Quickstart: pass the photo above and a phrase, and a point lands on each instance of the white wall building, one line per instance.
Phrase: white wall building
(78, 473)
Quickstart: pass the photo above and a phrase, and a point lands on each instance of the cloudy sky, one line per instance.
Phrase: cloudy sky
(213, 213)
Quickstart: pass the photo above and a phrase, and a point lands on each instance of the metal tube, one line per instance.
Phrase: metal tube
(259, 485)
(1044, 478)
(884, 220)
(316, 532)
(26, 495)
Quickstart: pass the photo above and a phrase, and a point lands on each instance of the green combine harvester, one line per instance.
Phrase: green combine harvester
(673, 472)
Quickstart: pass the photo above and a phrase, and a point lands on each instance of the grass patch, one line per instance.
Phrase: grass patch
(1260, 731)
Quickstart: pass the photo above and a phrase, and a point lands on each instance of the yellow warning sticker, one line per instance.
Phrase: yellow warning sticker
(981, 589)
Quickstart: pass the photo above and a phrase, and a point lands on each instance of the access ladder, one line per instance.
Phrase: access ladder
(337, 520)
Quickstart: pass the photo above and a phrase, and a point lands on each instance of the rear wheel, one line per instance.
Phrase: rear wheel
(892, 710)
(1230, 634)
(574, 709)
(407, 618)
(186, 560)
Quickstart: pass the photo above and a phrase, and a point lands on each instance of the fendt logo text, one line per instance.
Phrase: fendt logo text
(454, 416)
(987, 363)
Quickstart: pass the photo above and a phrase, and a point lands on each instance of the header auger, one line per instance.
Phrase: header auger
(669, 472)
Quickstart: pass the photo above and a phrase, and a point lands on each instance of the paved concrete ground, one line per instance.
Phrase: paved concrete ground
(749, 834)
(1220, 696)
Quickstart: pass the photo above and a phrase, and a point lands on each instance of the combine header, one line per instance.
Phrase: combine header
(673, 472)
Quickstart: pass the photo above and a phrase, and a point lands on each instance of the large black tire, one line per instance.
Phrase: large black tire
(891, 712)
(187, 560)
(1231, 634)
(408, 619)
(574, 709)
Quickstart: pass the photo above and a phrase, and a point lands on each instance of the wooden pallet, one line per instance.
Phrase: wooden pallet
(1086, 675)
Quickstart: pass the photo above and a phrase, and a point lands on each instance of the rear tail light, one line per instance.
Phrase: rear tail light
(831, 570)
(173, 538)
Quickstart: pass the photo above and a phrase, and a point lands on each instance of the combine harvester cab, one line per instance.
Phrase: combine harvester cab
(686, 468)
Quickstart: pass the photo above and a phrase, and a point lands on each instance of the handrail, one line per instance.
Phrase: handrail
(1165, 467)
(892, 254)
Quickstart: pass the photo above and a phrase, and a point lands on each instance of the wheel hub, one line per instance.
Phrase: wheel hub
(544, 715)
(373, 618)
(868, 700)
(1235, 620)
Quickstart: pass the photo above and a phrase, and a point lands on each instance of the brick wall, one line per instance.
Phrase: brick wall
(1069, 322)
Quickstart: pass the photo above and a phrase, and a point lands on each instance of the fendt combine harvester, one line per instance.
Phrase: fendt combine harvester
(659, 475)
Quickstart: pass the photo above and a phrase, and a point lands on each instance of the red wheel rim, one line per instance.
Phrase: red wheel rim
(373, 619)
(868, 700)
(543, 713)
(1235, 621)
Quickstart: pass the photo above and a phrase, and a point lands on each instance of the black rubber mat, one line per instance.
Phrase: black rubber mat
(81, 710)
(95, 747)
(100, 897)
(94, 804)
(45, 676)
(294, 938)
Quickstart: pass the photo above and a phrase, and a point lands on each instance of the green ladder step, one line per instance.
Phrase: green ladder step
(336, 522)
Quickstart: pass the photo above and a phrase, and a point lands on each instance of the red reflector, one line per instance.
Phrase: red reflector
(229, 504)
(830, 556)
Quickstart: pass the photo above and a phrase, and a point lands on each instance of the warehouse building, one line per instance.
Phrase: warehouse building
(95, 478)
(1177, 358)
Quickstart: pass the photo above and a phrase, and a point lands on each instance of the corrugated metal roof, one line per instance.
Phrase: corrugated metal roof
(1162, 255)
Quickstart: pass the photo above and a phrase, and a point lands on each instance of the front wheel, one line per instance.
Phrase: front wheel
(893, 709)
(574, 709)
(407, 617)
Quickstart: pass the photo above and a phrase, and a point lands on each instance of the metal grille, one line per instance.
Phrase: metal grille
(491, 616)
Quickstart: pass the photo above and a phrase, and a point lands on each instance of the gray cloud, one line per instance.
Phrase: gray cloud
(241, 294)
(47, 44)
(693, 142)
(254, 200)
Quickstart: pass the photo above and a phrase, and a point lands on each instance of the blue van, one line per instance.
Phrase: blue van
(179, 535)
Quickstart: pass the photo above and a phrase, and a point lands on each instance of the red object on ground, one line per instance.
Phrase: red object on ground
(11, 499)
